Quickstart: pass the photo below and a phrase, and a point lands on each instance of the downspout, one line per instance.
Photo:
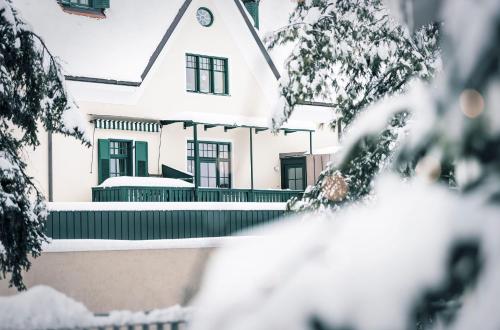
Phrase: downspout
(159, 151)
(50, 169)
(251, 158)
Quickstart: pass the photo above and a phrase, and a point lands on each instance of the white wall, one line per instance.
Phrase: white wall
(136, 280)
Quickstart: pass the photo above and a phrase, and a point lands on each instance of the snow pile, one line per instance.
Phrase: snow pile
(133, 181)
(366, 268)
(42, 307)
(78, 245)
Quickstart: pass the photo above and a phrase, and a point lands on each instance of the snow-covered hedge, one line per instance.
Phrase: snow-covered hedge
(42, 307)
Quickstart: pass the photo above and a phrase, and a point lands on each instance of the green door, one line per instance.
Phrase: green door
(293, 173)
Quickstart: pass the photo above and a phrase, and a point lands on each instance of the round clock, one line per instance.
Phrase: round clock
(204, 17)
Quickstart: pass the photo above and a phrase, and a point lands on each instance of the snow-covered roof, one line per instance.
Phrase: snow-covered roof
(118, 47)
(331, 150)
(237, 121)
(273, 16)
(122, 47)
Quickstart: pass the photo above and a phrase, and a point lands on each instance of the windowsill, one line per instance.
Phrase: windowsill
(203, 93)
(82, 11)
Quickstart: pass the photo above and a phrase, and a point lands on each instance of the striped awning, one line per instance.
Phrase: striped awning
(124, 125)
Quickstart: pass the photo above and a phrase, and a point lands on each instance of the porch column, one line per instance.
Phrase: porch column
(196, 159)
(251, 158)
(310, 142)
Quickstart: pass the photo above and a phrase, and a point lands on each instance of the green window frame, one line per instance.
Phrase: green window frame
(215, 163)
(120, 158)
(116, 158)
(207, 75)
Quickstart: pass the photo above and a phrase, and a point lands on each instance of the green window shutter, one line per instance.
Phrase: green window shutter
(100, 4)
(141, 158)
(103, 160)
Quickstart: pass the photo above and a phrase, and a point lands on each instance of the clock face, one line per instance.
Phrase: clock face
(204, 17)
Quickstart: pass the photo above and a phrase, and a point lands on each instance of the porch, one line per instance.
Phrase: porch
(209, 164)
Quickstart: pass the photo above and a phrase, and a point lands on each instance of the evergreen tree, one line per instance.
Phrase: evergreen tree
(31, 94)
(352, 54)
(321, 272)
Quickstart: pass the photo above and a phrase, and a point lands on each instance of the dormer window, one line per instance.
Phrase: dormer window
(91, 8)
(206, 74)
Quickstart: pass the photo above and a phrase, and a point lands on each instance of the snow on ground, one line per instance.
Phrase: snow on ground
(362, 269)
(163, 206)
(134, 181)
(75, 245)
(42, 307)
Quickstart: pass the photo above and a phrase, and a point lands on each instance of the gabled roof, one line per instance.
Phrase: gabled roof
(117, 47)
(120, 49)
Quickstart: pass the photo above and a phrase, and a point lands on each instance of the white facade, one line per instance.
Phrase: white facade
(162, 96)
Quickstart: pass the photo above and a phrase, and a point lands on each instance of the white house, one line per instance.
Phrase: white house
(153, 77)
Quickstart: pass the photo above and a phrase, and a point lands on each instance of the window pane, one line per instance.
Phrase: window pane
(113, 167)
(204, 81)
(219, 83)
(191, 69)
(204, 74)
(298, 185)
(211, 170)
(204, 169)
(291, 173)
(119, 158)
(291, 184)
(298, 173)
(213, 157)
(190, 166)
(191, 79)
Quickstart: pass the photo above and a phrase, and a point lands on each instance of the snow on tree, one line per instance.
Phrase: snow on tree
(351, 53)
(31, 94)
(421, 256)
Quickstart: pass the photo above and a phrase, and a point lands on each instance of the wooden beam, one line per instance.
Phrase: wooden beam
(227, 128)
(189, 124)
(169, 122)
(257, 130)
(290, 131)
(206, 127)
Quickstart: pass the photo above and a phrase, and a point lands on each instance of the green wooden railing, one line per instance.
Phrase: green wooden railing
(169, 194)
(180, 325)
(157, 224)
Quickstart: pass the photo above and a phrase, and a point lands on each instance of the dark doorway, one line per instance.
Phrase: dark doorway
(293, 173)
